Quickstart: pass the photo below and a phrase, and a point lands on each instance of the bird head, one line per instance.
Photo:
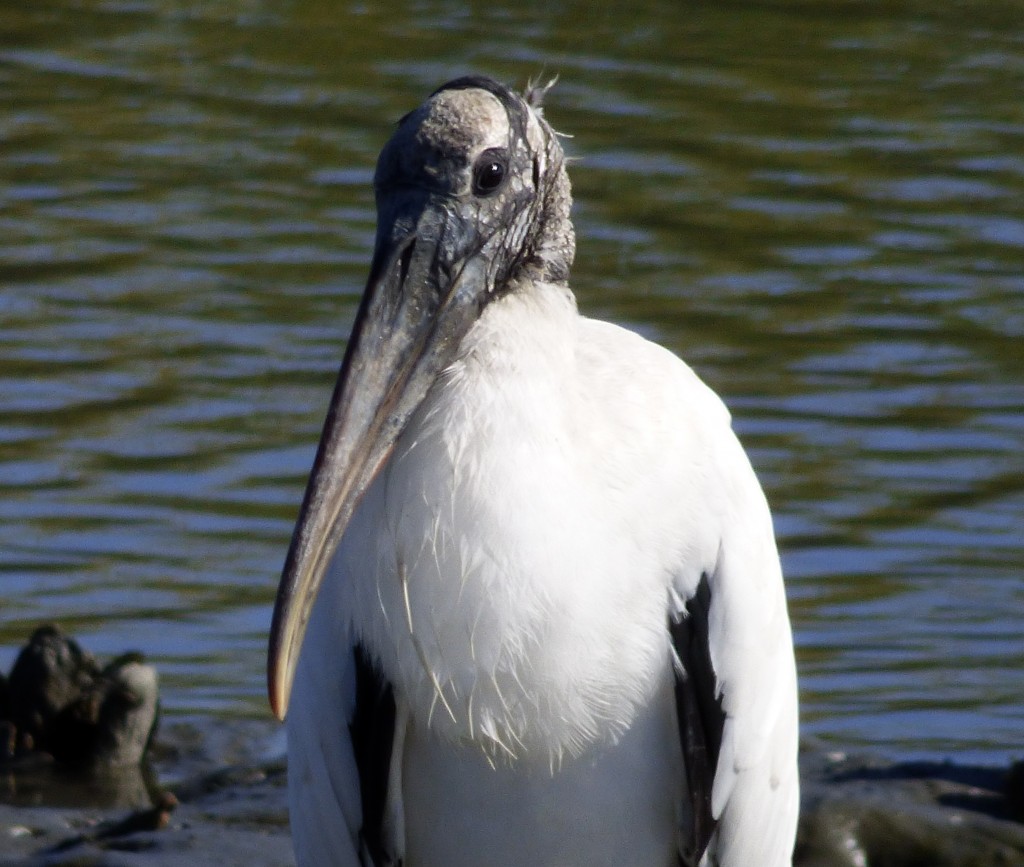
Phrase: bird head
(473, 201)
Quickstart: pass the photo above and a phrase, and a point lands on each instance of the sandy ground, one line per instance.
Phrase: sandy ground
(219, 790)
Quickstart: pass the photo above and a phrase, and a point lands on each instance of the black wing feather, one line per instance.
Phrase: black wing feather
(373, 736)
(701, 718)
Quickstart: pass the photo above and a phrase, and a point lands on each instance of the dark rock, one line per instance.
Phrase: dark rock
(69, 726)
(860, 812)
(49, 674)
(112, 720)
(1014, 791)
(5, 700)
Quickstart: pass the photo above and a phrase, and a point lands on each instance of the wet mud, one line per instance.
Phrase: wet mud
(214, 792)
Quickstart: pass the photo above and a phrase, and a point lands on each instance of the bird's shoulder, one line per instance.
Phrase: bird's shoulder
(671, 406)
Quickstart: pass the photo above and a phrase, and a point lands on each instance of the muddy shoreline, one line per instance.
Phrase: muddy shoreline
(217, 795)
(214, 792)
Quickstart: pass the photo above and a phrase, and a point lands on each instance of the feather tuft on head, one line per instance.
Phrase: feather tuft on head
(535, 93)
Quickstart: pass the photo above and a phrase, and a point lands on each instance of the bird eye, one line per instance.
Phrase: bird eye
(488, 174)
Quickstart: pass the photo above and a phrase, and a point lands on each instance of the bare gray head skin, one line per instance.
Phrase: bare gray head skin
(495, 167)
(473, 202)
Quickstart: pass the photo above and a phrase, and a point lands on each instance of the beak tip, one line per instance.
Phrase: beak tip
(280, 672)
(279, 695)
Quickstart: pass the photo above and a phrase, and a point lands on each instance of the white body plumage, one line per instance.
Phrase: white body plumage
(553, 501)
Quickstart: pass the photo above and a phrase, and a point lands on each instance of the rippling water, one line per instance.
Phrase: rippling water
(821, 206)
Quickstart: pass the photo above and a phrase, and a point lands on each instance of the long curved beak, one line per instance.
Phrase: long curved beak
(411, 320)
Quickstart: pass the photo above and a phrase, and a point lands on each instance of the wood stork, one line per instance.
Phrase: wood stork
(534, 579)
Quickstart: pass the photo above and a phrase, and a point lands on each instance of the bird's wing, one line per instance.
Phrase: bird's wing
(736, 682)
(736, 678)
(340, 738)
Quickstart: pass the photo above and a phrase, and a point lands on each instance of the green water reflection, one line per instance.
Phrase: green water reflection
(818, 205)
